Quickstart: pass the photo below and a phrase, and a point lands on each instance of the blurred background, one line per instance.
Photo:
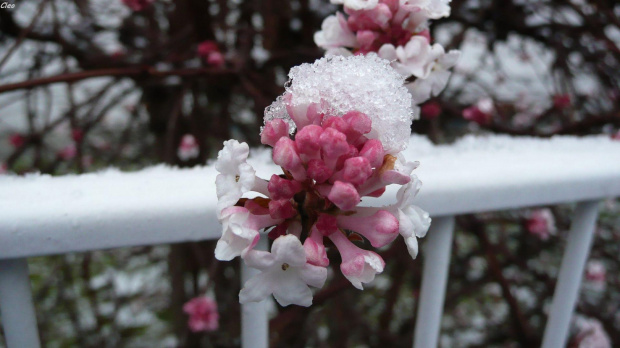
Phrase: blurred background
(89, 84)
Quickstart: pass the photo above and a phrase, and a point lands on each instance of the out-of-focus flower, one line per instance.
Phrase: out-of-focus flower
(17, 140)
(561, 101)
(77, 135)
(541, 223)
(591, 334)
(210, 53)
(397, 30)
(68, 152)
(138, 5)
(431, 110)
(481, 113)
(188, 148)
(3, 168)
(203, 314)
(344, 149)
(596, 272)
(616, 136)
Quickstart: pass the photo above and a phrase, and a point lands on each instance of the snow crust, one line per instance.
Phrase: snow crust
(40, 214)
(363, 83)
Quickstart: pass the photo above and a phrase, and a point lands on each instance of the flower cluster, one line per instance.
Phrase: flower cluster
(203, 314)
(334, 148)
(210, 53)
(396, 30)
(541, 223)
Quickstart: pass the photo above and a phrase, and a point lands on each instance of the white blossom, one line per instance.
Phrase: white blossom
(335, 33)
(284, 273)
(413, 221)
(423, 88)
(236, 176)
(412, 59)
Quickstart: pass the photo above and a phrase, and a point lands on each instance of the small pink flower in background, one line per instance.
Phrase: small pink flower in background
(68, 152)
(210, 53)
(541, 223)
(77, 135)
(481, 112)
(203, 314)
(3, 168)
(431, 110)
(590, 334)
(17, 140)
(138, 5)
(562, 101)
(188, 148)
(596, 272)
(616, 136)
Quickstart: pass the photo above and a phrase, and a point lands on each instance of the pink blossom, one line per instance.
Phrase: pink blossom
(358, 265)
(561, 101)
(138, 5)
(541, 223)
(431, 110)
(68, 152)
(591, 334)
(17, 140)
(616, 136)
(596, 272)
(3, 168)
(203, 314)
(188, 148)
(210, 53)
(481, 113)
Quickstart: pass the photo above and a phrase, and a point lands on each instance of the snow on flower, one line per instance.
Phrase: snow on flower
(336, 132)
(541, 223)
(203, 314)
(397, 31)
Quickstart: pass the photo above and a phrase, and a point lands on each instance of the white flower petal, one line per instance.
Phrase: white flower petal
(292, 290)
(258, 288)
(313, 275)
(288, 249)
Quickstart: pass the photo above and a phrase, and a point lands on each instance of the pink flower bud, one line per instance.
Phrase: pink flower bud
(315, 250)
(17, 140)
(273, 131)
(306, 141)
(344, 195)
(561, 101)
(431, 110)
(285, 155)
(356, 170)
(68, 152)
(337, 123)
(473, 113)
(333, 143)
(318, 171)
(137, 5)
(281, 209)
(373, 152)
(203, 314)
(207, 47)
(359, 122)
(280, 188)
(377, 193)
(366, 40)
(380, 229)
(77, 135)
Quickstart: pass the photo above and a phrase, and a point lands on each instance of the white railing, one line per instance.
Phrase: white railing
(44, 216)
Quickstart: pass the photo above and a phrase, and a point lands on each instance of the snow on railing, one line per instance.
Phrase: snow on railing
(41, 215)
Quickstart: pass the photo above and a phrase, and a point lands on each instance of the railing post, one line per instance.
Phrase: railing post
(437, 250)
(18, 316)
(254, 320)
(571, 271)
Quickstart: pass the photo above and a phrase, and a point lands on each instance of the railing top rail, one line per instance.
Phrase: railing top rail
(41, 215)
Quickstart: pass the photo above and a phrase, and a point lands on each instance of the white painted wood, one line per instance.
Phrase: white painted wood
(437, 249)
(254, 319)
(569, 278)
(18, 316)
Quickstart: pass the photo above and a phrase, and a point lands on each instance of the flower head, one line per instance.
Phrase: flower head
(351, 117)
(203, 314)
